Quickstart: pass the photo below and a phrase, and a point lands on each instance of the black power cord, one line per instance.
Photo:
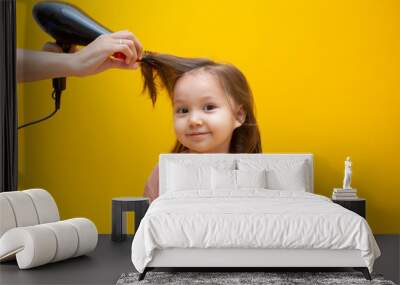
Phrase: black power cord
(56, 95)
(59, 84)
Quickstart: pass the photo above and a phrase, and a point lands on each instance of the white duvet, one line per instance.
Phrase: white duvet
(251, 218)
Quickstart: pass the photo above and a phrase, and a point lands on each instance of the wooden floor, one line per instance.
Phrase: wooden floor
(111, 259)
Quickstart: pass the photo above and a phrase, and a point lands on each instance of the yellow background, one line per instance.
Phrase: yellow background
(325, 76)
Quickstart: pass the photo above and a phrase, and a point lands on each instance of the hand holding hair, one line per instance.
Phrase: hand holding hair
(98, 55)
(92, 59)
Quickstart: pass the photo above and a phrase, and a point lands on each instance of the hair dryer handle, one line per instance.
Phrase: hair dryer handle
(60, 83)
(65, 47)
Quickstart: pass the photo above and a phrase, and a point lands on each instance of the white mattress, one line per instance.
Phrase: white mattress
(250, 219)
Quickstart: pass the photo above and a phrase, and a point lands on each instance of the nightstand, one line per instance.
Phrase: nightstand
(119, 208)
(357, 206)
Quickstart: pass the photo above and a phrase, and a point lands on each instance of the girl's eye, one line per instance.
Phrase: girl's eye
(209, 107)
(182, 110)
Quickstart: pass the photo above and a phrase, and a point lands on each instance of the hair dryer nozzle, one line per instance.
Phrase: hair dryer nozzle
(67, 24)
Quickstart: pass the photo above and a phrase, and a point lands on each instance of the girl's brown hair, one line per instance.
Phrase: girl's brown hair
(166, 70)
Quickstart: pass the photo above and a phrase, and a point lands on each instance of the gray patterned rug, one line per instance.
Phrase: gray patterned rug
(269, 278)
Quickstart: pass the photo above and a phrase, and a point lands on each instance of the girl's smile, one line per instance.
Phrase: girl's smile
(197, 137)
(198, 134)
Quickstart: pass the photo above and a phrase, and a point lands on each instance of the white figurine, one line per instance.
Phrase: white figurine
(347, 174)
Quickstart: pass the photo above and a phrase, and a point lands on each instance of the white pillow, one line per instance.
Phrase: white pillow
(251, 178)
(181, 177)
(223, 179)
(288, 179)
(282, 174)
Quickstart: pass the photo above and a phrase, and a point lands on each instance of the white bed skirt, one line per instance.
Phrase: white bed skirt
(193, 257)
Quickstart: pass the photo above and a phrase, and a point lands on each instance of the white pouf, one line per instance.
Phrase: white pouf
(31, 232)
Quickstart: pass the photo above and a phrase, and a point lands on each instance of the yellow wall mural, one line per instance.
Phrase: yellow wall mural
(324, 76)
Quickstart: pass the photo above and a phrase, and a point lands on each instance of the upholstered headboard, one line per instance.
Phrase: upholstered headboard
(229, 158)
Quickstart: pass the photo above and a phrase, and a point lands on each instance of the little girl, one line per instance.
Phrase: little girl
(213, 107)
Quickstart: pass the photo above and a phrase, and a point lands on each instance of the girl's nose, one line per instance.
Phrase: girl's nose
(195, 119)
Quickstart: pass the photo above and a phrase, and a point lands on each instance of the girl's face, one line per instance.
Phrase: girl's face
(204, 116)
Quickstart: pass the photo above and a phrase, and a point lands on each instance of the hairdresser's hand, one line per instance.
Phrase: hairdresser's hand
(94, 58)
(98, 55)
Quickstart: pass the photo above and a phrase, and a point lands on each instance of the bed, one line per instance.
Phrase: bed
(245, 211)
